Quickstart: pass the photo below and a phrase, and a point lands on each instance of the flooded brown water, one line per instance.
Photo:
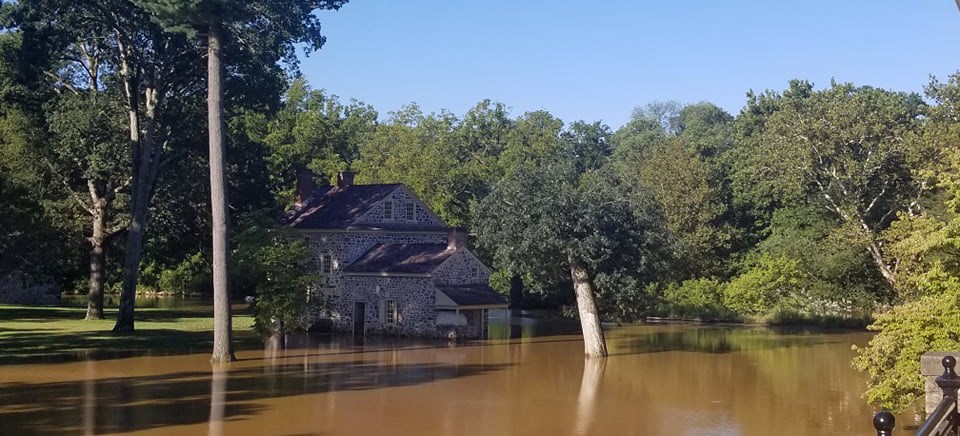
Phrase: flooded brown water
(659, 380)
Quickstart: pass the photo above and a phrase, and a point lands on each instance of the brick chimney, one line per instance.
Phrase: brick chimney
(305, 186)
(456, 238)
(345, 178)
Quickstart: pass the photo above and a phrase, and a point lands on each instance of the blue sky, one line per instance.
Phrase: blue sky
(598, 60)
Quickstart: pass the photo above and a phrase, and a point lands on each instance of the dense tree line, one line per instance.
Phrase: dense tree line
(810, 205)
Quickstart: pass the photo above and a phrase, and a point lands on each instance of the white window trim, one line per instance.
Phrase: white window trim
(388, 206)
(326, 263)
(410, 211)
(386, 312)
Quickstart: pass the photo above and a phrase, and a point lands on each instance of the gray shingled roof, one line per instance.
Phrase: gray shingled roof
(401, 259)
(336, 207)
(473, 295)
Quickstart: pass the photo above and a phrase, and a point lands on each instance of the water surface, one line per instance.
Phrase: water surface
(659, 380)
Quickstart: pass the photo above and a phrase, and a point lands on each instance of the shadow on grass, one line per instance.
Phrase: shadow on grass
(125, 404)
(58, 334)
(57, 346)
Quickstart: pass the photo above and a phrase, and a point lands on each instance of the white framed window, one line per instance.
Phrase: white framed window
(390, 312)
(388, 210)
(410, 211)
(475, 272)
(326, 264)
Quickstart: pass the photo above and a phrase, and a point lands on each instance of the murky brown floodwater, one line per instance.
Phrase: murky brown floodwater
(660, 380)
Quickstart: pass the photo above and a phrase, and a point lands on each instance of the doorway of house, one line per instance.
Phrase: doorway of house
(359, 316)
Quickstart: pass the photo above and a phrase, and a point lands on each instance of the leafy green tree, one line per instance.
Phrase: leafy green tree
(276, 261)
(87, 155)
(892, 358)
(841, 278)
(316, 131)
(545, 218)
(534, 136)
(924, 240)
(770, 283)
(842, 148)
(700, 298)
(29, 243)
(588, 144)
(257, 25)
(421, 152)
(687, 191)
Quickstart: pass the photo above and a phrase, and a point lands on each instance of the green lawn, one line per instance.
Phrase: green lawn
(43, 334)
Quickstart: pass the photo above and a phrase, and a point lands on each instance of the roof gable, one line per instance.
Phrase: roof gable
(336, 207)
(359, 207)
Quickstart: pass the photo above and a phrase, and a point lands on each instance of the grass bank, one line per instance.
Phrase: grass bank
(45, 334)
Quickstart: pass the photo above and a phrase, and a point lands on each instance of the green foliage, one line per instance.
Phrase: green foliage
(701, 298)
(192, 276)
(841, 279)
(29, 243)
(312, 130)
(892, 358)
(769, 283)
(276, 263)
(537, 222)
(623, 297)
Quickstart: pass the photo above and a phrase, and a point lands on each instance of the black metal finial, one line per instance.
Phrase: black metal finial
(884, 422)
(949, 382)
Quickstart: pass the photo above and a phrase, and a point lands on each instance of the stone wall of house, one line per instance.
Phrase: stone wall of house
(399, 198)
(344, 248)
(17, 289)
(415, 297)
(462, 269)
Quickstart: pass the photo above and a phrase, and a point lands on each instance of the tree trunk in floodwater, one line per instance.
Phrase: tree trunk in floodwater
(97, 276)
(516, 291)
(594, 344)
(222, 323)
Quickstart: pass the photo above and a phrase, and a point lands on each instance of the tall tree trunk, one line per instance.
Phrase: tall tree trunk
(222, 323)
(594, 344)
(145, 154)
(131, 263)
(97, 277)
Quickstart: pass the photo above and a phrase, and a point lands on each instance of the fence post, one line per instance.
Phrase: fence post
(949, 382)
(884, 422)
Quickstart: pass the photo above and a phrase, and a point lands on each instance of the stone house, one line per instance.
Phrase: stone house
(388, 264)
(19, 288)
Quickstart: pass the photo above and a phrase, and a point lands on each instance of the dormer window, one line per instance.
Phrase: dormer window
(388, 210)
(410, 212)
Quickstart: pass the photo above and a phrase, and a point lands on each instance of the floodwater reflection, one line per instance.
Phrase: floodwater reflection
(218, 392)
(589, 390)
(660, 380)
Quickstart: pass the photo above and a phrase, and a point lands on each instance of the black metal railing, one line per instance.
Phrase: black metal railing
(945, 420)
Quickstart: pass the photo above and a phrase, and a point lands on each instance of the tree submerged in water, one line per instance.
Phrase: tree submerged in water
(550, 214)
